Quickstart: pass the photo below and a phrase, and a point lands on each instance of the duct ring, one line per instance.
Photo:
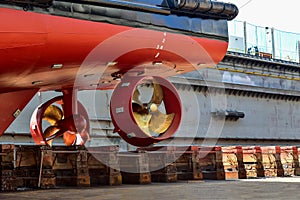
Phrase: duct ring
(36, 126)
(132, 125)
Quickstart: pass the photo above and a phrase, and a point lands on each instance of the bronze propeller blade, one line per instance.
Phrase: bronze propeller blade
(158, 94)
(60, 126)
(69, 138)
(50, 131)
(160, 122)
(53, 114)
(142, 121)
(147, 116)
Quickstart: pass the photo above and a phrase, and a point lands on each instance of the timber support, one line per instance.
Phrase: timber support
(82, 172)
(135, 167)
(104, 166)
(47, 177)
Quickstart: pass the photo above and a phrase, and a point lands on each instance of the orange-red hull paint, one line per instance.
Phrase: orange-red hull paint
(30, 43)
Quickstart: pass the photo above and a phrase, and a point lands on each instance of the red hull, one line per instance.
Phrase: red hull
(31, 43)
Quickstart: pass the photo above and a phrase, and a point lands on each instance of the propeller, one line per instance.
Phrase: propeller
(73, 128)
(148, 116)
(145, 110)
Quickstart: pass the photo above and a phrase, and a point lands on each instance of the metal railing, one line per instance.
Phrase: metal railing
(263, 41)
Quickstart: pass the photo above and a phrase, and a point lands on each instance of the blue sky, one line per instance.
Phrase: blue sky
(282, 15)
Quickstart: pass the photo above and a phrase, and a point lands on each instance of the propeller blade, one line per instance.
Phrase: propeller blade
(69, 138)
(158, 94)
(53, 114)
(160, 122)
(142, 121)
(140, 109)
(50, 131)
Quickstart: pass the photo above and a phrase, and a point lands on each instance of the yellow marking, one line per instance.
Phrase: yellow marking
(258, 73)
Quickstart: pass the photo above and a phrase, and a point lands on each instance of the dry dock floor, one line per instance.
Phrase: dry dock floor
(265, 188)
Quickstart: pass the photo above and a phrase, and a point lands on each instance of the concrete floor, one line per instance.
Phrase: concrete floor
(268, 188)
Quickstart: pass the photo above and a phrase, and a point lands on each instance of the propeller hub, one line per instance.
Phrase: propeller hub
(153, 107)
